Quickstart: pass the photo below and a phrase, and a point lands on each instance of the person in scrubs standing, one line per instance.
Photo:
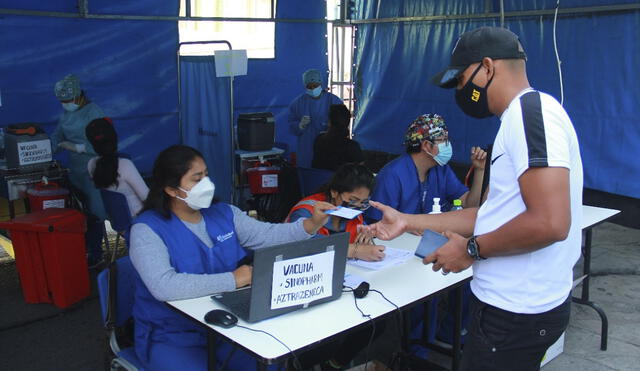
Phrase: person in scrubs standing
(70, 135)
(308, 115)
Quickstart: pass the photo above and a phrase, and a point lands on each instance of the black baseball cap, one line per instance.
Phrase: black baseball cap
(472, 46)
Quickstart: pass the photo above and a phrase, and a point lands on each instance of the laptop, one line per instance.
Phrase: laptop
(289, 277)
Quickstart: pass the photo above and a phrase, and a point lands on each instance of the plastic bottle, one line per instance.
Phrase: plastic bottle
(436, 206)
(457, 205)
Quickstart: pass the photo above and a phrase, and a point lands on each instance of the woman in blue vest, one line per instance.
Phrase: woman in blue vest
(184, 246)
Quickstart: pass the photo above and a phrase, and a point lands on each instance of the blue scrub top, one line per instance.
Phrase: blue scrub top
(398, 186)
(318, 110)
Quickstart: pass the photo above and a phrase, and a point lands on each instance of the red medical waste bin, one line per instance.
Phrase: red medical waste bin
(263, 178)
(47, 195)
(50, 256)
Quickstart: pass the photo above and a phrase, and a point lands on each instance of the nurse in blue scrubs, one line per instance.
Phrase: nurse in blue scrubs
(70, 135)
(308, 115)
(411, 182)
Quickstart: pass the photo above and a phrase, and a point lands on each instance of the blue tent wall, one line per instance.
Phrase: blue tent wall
(599, 54)
(271, 84)
(127, 67)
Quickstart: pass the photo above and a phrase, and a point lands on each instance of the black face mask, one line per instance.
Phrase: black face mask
(472, 99)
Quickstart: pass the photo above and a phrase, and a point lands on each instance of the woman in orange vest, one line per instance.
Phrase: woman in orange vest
(349, 187)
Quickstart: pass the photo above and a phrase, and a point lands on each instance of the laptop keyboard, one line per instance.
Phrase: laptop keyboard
(237, 301)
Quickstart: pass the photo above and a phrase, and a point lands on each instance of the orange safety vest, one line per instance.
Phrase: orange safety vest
(307, 204)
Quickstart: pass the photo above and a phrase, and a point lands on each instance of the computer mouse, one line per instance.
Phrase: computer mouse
(220, 317)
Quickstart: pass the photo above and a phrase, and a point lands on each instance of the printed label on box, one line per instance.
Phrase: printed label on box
(270, 181)
(53, 204)
(34, 152)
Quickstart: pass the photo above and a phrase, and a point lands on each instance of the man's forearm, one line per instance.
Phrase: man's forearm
(461, 221)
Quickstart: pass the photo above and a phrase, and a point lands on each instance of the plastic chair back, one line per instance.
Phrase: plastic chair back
(311, 179)
(117, 290)
(115, 203)
(116, 293)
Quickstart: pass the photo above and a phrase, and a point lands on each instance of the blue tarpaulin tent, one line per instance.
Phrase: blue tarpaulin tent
(125, 56)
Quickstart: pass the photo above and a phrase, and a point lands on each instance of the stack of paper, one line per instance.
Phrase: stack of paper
(392, 257)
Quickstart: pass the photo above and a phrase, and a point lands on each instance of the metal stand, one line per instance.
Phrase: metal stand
(584, 298)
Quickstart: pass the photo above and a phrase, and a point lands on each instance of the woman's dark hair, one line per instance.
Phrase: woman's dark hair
(104, 140)
(348, 178)
(339, 117)
(168, 169)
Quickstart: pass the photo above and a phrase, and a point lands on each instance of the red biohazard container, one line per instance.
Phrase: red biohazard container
(263, 178)
(50, 195)
(50, 256)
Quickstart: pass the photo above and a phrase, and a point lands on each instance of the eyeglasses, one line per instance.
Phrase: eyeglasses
(357, 205)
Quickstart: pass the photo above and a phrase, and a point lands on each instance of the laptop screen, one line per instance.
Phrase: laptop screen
(295, 275)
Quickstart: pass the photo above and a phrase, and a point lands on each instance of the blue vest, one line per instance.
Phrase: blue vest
(155, 322)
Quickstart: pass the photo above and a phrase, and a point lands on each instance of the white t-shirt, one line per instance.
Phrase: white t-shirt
(130, 183)
(535, 131)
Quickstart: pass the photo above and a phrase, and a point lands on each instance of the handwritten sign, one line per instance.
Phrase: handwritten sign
(34, 152)
(302, 280)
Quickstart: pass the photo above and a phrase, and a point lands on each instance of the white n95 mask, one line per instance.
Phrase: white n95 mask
(200, 195)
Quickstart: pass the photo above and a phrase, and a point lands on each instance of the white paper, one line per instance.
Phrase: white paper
(230, 62)
(302, 280)
(34, 152)
(392, 257)
(344, 212)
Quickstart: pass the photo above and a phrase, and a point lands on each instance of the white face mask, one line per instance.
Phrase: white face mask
(200, 195)
(70, 107)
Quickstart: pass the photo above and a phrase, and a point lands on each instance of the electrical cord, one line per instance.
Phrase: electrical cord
(373, 325)
(296, 361)
(555, 48)
(399, 325)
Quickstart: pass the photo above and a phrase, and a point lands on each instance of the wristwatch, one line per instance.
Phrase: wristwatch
(473, 249)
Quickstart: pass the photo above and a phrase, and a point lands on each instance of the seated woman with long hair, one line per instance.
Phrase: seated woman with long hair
(185, 245)
(109, 171)
(350, 186)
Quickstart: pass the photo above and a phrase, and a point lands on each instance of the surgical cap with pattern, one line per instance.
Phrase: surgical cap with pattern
(68, 88)
(426, 127)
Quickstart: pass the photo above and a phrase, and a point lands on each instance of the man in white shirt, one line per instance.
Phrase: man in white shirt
(525, 238)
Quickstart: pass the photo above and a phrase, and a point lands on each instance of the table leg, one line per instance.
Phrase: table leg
(261, 366)
(457, 330)
(211, 351)
(584, 298)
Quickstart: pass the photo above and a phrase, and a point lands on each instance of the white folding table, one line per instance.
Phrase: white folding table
(404, 284)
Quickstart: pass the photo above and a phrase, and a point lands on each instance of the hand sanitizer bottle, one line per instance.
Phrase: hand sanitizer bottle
(436, 206)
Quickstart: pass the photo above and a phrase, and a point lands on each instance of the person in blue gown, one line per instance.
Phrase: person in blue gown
(309, 114)
(69, 135)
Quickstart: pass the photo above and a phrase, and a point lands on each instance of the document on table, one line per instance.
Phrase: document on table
(392, 257)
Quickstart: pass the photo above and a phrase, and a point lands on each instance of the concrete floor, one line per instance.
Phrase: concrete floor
(42, 337)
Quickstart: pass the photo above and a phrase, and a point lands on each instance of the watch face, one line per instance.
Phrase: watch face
(472, 248)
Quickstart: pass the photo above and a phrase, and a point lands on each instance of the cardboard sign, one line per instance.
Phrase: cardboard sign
(302, 280)
(34, 152)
